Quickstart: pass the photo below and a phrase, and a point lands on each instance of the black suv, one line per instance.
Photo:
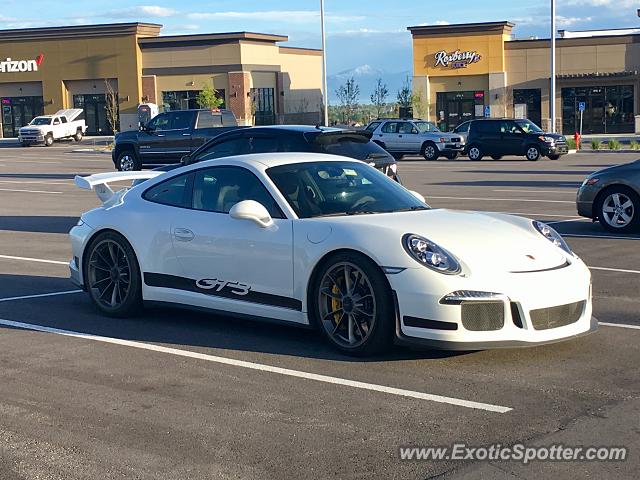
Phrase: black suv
(355, 144)
(168, 136)
(497, 137)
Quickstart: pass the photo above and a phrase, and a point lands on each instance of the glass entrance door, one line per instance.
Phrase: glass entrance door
(95, 113)
(607, 109)
(453, 108)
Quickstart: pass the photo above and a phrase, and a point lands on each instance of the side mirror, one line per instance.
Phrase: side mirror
(418, 196)
(185, 160)
(251, 210)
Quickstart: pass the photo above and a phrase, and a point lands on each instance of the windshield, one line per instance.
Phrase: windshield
(424, 127)
(317, 189)
(41, 121)
(528, 126)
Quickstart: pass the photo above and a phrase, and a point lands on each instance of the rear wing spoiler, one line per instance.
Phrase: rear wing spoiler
(100, 181)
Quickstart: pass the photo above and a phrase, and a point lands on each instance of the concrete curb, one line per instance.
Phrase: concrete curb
(627, 150)
(92, 151)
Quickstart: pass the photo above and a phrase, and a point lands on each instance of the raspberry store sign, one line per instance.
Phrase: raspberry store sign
(456, 59)
(20, 66)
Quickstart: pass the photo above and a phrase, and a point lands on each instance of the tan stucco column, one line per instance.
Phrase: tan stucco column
(421, 89)
(498, 94)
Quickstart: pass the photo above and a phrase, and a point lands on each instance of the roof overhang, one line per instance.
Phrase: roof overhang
(462, 28)
(208, 39)
(81, 31)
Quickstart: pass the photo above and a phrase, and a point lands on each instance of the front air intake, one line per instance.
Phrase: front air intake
(482, 316)
(554, 317)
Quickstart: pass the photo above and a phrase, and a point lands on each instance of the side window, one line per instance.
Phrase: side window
(406, 127)
(63, 119)
(224, 148)
(217, 189)
(262, 144)
(509, 127)
(175, 192)
(464, 128)
(180, 120)
(56, 121)
(160, 122)
(208, 119)
(390, 127)
(372, 126)
(487, 126)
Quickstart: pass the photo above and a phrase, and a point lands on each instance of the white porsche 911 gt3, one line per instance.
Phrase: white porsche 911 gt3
(329, 242)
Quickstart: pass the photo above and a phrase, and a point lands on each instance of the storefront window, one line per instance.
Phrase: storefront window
(531, 99)
(18, 112)
(264, 105)
(185, 99)
(607, 109)
(95, 113)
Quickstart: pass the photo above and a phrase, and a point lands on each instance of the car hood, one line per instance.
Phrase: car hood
(480, 240)
(617, 169)
(33, 127)
(128, 135)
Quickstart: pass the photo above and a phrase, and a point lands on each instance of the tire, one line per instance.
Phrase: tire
(618, 210)
(475, 153)
(397, 155)
(128, 161)
(451, 155)
(496, 157)
(48, 140)
(532, 153)
(553, 157)
(430, 151)
(24, 144)
(370, 325)
(110, 263)
(78, 136)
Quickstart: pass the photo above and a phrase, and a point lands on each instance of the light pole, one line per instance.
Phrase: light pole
(325, 97)
(552, 90)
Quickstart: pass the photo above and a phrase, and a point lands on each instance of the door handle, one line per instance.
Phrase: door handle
(186, 134)
(160, 135)
(399, 136)
(183, 234)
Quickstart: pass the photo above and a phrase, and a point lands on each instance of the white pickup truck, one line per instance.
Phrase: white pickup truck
(48, 128)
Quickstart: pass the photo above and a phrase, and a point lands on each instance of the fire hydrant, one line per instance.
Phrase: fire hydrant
(577, 138)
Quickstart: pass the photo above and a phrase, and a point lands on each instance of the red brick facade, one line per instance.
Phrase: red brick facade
(239, 99)
(149, 89)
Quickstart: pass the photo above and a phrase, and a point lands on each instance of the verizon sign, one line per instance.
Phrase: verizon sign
(19, 66)
(456, 59)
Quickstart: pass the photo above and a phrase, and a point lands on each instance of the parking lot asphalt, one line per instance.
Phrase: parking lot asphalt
(176, 394)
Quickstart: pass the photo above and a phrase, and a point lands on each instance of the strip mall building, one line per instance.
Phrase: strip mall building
(43, 70)
(472, 70)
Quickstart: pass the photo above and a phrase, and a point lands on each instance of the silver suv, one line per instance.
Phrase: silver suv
(409, 137)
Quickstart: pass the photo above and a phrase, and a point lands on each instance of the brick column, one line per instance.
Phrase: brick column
(239, 100)
(149, 88)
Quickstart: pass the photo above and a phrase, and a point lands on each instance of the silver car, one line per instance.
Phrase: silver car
(612, 196)
(415, 137)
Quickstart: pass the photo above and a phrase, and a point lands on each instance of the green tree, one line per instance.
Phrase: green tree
(405, 94)
(208, 97)
(379, 97)
(348, 96)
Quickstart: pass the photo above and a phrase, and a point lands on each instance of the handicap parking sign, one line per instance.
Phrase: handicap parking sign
(487, 111)
(581, 106)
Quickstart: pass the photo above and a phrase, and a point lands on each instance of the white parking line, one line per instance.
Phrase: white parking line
(620, 325)
(264, 368)
(26, 191)
(39, 182)
(619, 270)
(38, 260)
(610, 237)
(40, 295)
(503, 199)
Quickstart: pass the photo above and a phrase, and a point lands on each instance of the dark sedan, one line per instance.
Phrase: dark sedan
(355, 144)
(612, 196)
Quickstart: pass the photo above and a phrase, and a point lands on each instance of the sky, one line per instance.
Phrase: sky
(359, 32)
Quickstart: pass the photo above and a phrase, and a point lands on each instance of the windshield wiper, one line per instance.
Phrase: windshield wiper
(412, 209)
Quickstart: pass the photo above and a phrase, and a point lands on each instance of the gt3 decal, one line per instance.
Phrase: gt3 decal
(219, 285)
(221, 288)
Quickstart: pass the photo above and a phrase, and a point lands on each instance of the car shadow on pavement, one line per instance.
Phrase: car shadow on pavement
(43, 176)
(181, 328)
(511, 183)
(37, 224)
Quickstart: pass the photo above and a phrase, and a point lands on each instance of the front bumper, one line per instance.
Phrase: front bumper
(31, 138)
(555, 149)
(447, 147)
(424, 320)
(585, 200)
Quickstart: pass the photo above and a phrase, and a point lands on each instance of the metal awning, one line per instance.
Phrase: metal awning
(574, 76)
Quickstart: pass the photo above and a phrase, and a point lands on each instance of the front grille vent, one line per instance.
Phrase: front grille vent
(482, 316)
(554, 317)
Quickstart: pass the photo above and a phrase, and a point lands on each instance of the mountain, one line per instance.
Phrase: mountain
(366, 78)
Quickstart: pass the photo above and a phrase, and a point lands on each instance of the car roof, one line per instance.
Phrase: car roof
(276, 159)
(295, 128)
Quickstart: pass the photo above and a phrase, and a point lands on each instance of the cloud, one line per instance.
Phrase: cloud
(141, 11)
(617, 4)
(544, 21)
(569, 21)
(284, 16)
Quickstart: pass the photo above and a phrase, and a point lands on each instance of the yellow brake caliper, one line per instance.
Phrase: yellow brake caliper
(335, 305)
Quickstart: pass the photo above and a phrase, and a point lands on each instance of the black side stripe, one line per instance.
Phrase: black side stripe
(182, 283)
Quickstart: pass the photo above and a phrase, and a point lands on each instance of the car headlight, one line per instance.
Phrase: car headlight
(430, 254)
(547, 139)
(550, 234)
(590, 181)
